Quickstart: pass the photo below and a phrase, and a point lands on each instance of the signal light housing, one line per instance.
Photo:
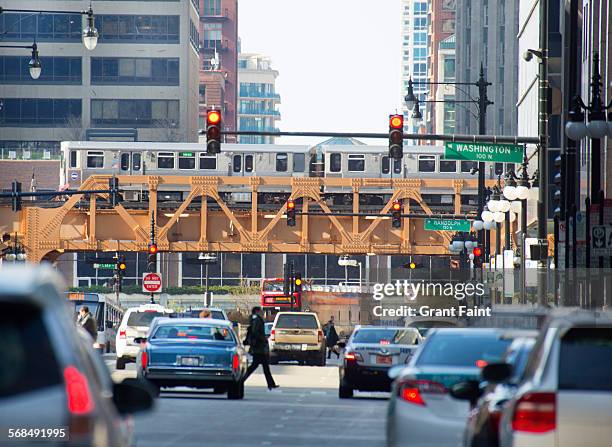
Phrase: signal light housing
(477, 252)
(291, 213)
(396, 136)
(213, 132)
(152, 258)
(396, 219)
(153, 249)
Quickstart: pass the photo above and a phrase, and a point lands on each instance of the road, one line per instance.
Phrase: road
(304, 411)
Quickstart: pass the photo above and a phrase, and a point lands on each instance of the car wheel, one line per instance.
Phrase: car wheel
(322, 360)
(120, 363)
(235, 390)
(344, 391)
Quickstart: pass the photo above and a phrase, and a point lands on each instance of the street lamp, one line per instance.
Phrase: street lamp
(90, 33)
(34, 65)
(345, 261)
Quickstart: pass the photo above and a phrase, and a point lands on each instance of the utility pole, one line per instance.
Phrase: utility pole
(152, 256)
(483, 103)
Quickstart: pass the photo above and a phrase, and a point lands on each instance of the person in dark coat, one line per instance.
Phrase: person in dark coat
(331, 337)
(88, 321)
(256, 339)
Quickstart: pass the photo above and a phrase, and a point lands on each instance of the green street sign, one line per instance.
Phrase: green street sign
(500, 153)
(447, 225)
(104, 266)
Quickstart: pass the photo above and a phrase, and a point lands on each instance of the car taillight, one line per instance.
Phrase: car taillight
(144, 359)
(320, 336)
(78, 393)
(272, 334)
(535, 413)
(481, 363)
(352, 357)
(235, 362)
(414, 391)
(122, 334)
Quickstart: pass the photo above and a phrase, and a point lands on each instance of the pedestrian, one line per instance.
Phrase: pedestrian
(88, 322)
(256, 339)
(205, 314)
(331, 337)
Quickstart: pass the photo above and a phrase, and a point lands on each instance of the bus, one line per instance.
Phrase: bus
(108, 315)
(273, 298)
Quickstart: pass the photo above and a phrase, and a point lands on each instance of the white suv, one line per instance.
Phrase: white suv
(565, 398)
(136, 323)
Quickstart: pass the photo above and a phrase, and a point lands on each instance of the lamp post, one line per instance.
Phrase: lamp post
(207, 259)
(34, 65)
(482, 103)
(345, 261)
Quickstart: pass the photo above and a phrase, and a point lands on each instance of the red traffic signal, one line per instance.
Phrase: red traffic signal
(396, 206)
(396, 136)
(152, 249)
(290, 213)
(290, 204)
(396, 122)
(396, 218)
(213, 132)
(213, 117)
(477, 252)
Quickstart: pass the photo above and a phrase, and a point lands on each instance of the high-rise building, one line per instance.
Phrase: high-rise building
(219, 60)
(414, 56)
(486, 33)
(257, 97)
(141, 76)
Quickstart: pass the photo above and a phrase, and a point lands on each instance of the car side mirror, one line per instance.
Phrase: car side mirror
(132, 395)
(497, 372)
(467, 390)
(341, 344)
(140, 340)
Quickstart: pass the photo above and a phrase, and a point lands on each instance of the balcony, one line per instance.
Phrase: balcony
(257, 94)
(215, 14)
(219, 45)
(251, 111)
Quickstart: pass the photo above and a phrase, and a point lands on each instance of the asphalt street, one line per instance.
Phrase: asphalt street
(304, 411)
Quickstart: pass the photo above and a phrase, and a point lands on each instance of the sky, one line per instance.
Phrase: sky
(339, 61)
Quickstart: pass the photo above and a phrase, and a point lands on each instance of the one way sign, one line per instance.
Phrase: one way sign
(601, 240)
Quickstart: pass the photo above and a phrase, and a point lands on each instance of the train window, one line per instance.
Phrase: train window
(95, 159)
(165, 160)
(186, 160)
(356, 162)
(125, 161)
(335, 162)
(397, 166)
(427, 163)
(136, 161)
(299, 162)
(248, 163)
(281, 162)
(208, 162)
(448, 166)
(385, 166)
(73, 159)
(237, 162)
(466, 166)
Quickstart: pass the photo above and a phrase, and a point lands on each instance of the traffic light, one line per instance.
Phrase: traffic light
(557, 182)
(213, 132)
(396, 137)
(113, 196)
(297, 282)
(16, 198)
(477, 252)
(396, 212)
(152, 258)
(290, 213)
(120, 267)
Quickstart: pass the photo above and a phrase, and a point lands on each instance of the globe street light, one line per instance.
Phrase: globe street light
(90, 33)
(34, 65)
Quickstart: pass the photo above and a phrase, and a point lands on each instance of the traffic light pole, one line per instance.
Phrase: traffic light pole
(151, 267)
(483, 103)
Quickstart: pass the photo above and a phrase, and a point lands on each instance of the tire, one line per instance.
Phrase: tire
(120, 363)
(235, 391)
(322, 359)
(344, 391)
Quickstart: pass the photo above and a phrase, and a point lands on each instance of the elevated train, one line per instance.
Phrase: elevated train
(82, 159)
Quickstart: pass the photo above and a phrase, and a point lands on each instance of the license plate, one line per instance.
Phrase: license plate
(383, 360)
(296, 347)
(304, 347)
(190, 361)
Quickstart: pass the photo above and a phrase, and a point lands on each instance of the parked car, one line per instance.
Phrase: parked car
(193, 352)
(424, 324)
(216, 313)
(482, 429)
(50, 375)
(421, 410)
(369, 354)
(565, 398)
(135, 323)
(297, 336)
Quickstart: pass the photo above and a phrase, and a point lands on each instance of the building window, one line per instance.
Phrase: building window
(95, 159)
(419, 54)
(135, 71)
(213, 35)
(427, 163)
(165, 160)
(135, 112)
(449, 69)
(281, 162)
(208, 162)
(419, 69)
(42, 27)
(57, 70)
(448, 166)
(356, 163)
(420, 38)
(34, 112)
(248, 163)
(138, 28)
(420, 23)
(449, 115)
(299, 162)
(335, 162)
(186, 160)
(420, 8)
(212, 7)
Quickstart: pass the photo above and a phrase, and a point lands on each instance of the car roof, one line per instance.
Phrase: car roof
(579, 317)
(145, 307)
(395, 328)
(473, 331)
(29, 280)
(297, 313)
(163, 320)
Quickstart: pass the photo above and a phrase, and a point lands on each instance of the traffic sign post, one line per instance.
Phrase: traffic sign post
(601, 240)
(151, 282)
(447, 225)
(501, 153)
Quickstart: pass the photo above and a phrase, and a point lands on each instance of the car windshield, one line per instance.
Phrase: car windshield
(425, 326)
(193, 332)
(386, 336)
(586, 346)
(463, 349)
(296, 321)
(143, 318)
(273, 286)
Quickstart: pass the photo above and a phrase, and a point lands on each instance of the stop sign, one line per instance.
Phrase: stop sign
(151, 282)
